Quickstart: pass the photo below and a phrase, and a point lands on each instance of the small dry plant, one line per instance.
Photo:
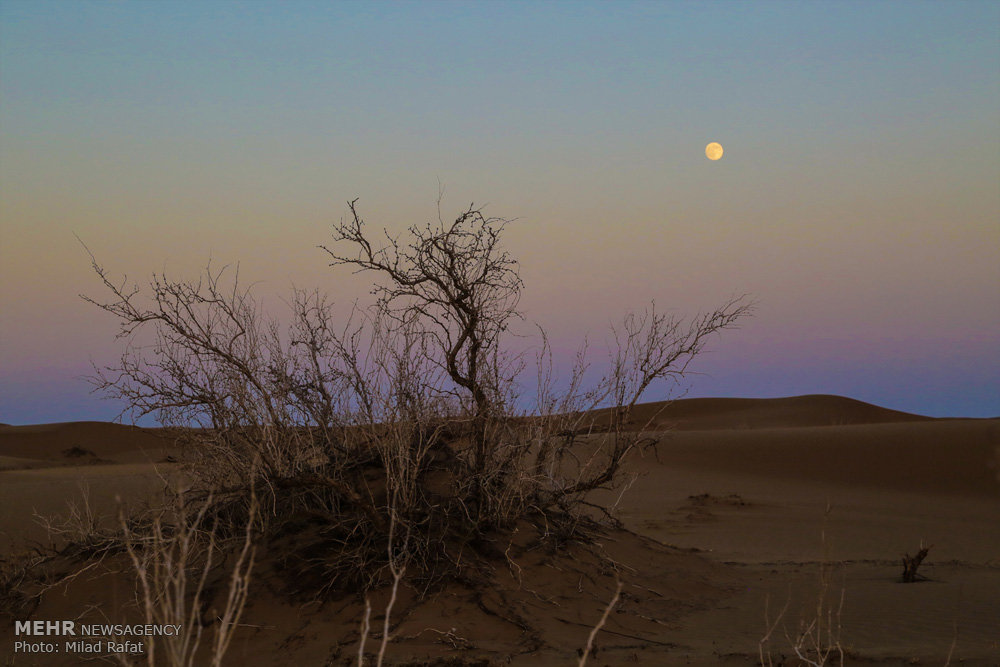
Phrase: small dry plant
(80, 530)
(79, 535)
(173, 557)
(20, 585)
(816, 641)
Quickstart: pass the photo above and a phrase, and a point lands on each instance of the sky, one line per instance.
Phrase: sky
(858, 200)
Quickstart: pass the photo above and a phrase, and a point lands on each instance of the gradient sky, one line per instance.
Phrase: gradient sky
(858, 200)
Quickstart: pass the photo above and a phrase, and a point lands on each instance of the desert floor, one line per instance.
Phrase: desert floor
(747, 515)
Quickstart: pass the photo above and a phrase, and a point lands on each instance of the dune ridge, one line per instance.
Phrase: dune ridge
(693, 414)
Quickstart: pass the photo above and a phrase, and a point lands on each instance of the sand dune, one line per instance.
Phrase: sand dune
(79, 442)
(954, 456)
(738, 508)
(709, 414)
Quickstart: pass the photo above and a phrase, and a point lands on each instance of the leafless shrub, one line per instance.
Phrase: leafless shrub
(406, 414)
(455, 281)
(80, 526)
(461, 288)
(173, 559)
(816, 641)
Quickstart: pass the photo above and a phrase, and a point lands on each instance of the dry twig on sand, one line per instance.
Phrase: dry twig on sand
(600, 624)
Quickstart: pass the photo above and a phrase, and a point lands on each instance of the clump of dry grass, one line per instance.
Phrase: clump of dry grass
(816, 640)
(21, 585)
(81, 529)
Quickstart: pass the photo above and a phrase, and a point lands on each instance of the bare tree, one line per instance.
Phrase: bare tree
(463, 289)
(458, 285)
(456, 277)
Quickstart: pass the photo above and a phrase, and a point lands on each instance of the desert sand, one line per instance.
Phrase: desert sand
(747, 515)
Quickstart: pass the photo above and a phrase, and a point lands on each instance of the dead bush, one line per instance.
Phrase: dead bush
(408, 414)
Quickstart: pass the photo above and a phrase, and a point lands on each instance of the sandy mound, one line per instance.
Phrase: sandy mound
(536, 610)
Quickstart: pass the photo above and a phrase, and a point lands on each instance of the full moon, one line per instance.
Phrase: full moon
(713, 151)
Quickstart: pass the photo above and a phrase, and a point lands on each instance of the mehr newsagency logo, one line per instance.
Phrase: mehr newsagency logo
(94, 638)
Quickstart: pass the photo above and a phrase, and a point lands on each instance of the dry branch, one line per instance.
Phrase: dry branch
(600, 624)
(911, 563)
